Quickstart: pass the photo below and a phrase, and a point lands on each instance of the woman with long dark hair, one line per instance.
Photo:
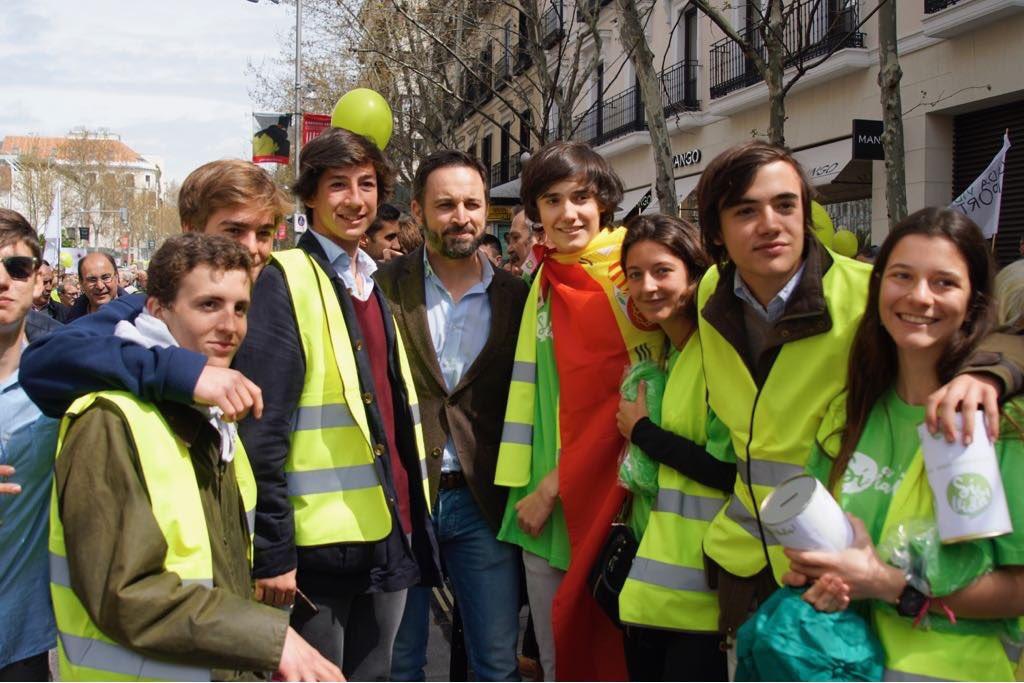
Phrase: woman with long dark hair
(671, 611)
(929, 304)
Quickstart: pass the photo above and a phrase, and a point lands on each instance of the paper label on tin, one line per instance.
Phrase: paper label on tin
(968, 490)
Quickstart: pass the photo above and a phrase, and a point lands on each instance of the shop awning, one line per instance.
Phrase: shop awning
(684, 187)
(629, 201)
(509, 190)
(832, 169)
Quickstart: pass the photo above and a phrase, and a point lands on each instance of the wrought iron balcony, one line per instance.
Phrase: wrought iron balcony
(595, 8)
(813, 29)
(551, 26)
(501, 72)
(679, 87)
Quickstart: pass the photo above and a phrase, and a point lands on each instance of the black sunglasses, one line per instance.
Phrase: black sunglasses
(20, 267)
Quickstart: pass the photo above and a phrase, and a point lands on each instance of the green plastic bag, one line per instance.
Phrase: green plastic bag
(637, 472)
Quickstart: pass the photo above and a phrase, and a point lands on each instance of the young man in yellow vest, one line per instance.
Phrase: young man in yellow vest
(777, 317)
(342, 524)
(150, 524)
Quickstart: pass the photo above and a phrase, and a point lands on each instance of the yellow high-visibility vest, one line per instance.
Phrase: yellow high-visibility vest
(773, 426)
(84, 652)
(667, 587)
(331, 469)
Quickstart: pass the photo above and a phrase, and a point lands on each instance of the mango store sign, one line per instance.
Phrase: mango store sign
(688, 158)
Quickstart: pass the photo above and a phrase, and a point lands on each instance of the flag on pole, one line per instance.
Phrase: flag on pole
(51, 253)
(980, 202)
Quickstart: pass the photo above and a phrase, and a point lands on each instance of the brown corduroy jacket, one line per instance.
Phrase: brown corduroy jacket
(474, 411)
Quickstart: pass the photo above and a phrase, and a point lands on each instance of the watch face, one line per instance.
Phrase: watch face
(912, 601)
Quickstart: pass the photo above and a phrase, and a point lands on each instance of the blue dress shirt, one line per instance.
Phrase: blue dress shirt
(342, 263)
(28, 442)
(777, 305)
(458, 330)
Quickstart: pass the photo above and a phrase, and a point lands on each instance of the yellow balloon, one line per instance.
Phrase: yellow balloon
(366, 112)
(65, 259)
(845, 242)
(821, 222)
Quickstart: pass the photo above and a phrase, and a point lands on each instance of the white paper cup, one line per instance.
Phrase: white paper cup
(802, 514)
(970, 501)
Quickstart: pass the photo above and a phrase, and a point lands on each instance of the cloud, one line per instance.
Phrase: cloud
(169, 76)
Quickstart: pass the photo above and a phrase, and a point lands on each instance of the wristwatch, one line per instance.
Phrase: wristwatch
(914, 596)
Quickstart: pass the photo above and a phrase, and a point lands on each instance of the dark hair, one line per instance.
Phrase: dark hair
(679, 236)
(874, 348)
(113, 263)
(180, 255)
(15, 228)
(728, 177)
(284, 120)
(488, 238)
(558, 161)
(386, 213)
(445, 158)
(338, 148)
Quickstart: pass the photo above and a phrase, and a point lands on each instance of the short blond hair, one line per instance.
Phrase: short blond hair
(228, 182)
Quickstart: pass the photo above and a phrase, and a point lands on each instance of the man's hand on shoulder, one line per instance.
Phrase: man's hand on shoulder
(229, 390)
(7, 488)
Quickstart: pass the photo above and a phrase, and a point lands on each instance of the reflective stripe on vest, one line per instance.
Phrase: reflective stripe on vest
(85, 652)
(332, 472)
(806, 375)
(516, 449)
(667, 587)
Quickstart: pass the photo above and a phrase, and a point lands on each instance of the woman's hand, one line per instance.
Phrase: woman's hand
(859, 569)
(533, 511)
(631, 412)
(968, 394)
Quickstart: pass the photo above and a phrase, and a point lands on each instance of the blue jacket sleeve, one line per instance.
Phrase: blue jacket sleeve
(85, 356)
(271, 356)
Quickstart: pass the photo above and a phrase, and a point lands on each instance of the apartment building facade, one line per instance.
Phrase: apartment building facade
(962, 87)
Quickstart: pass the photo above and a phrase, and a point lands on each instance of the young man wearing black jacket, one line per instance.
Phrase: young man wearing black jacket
(314, 547)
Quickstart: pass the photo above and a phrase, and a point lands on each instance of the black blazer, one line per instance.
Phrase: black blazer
(473, 413)
(272, 356)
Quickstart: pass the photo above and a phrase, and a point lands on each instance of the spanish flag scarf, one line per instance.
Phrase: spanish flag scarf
(597, 335)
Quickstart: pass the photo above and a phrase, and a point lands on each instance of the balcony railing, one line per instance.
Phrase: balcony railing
(551, 28)
(501, 72)
(624, 113)
(595, 8)
(933, 6)
(523, 59)
(497, 178)
(813, 29)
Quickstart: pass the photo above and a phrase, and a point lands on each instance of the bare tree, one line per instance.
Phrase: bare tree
(889, 76)
(34, 186)
(782, 41)
(631, 30)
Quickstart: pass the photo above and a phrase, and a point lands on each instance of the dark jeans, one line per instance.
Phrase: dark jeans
(356, 632)
(655, 655)
(34, 668)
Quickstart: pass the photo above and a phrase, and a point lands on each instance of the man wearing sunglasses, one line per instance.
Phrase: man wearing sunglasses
(27, 445)
(98, 274)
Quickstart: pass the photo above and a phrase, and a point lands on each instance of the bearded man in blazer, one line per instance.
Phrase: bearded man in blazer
(459, 317)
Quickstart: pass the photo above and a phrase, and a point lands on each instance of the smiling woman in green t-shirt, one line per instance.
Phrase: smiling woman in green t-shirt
(930, 302)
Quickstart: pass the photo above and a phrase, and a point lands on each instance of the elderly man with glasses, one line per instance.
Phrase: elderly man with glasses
(97, 273)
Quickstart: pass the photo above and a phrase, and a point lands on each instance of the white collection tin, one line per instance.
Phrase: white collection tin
(802, 514)
(970, 501)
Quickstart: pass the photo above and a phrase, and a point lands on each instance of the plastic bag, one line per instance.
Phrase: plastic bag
(914, 545)
(637, 472)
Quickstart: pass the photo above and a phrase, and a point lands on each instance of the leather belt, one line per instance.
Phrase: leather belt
(451, 480)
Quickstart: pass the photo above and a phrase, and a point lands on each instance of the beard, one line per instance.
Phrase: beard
(454, 243)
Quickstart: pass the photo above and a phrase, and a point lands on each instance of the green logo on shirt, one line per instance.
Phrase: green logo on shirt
(969, 494)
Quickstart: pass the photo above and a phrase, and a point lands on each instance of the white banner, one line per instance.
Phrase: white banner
(980, 202)
(52, 233)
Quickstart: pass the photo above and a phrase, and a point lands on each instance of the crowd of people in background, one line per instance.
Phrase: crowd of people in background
(239, 462)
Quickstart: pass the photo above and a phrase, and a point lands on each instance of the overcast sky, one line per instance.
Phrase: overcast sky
(168, 76)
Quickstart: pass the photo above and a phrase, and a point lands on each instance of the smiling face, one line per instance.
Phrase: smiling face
(208, 315)
(764, 231)
(345, 203)
(16, 293)
(99, 280)
(658, 280)
(570, 214)
(924, 293)
(253, 228)
(454, 211)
